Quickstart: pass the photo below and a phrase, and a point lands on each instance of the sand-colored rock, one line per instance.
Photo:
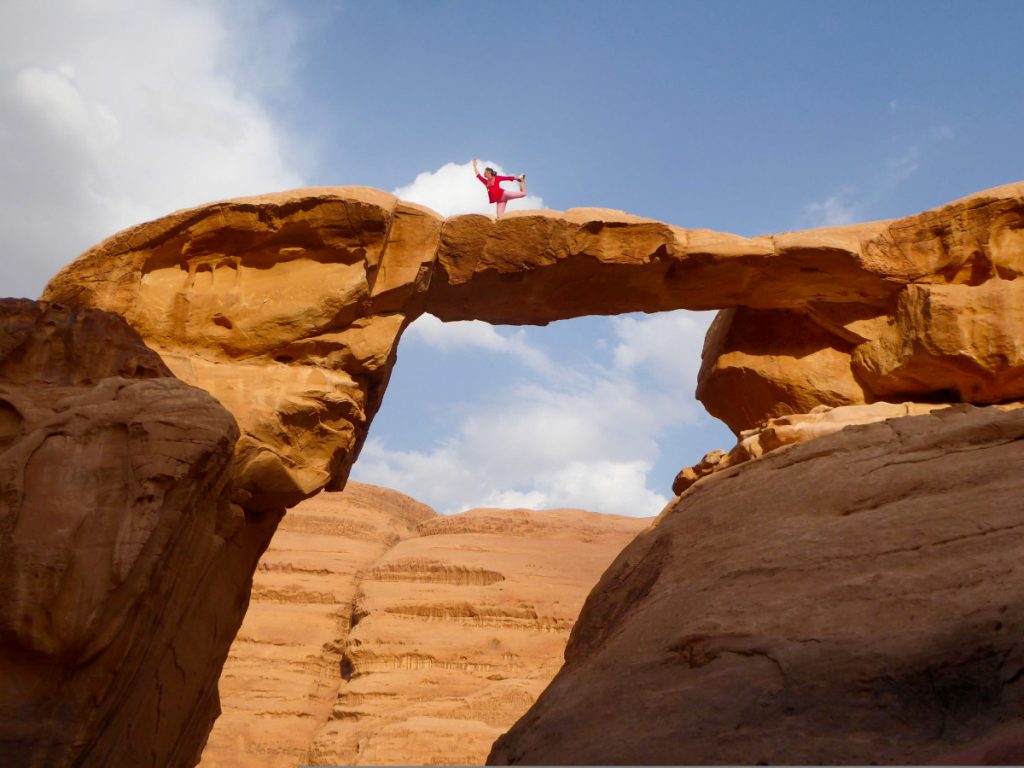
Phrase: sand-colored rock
(849, 600)
(286, 308)
(799, 428)
(762, 364)
(282, 676)
(120, 571)
(382, 633)
(967, 340)
(538, 266)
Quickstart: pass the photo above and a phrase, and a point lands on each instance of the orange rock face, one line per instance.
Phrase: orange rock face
(121, 577)
(283, 674)
(382, 633)
(850, 600)
(286, 308)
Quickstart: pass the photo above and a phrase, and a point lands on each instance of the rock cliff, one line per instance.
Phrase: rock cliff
(863, 610)
(382, 633)
(123, 568)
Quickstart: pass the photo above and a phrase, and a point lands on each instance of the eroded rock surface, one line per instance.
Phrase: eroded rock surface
(288, 307)
(122, 577)
(850, 600)
(799, 428)
(382, 633)
(283, 674)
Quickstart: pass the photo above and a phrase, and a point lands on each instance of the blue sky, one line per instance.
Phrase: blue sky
(746, 117)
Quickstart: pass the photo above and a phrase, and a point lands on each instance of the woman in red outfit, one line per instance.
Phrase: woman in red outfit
(495, 193)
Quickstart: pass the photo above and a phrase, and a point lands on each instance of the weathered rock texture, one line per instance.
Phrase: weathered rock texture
(282, 676)
(799, 428)
(122, 575)
(288, 307)
(380, 632)
(285, 307)
(854, 599)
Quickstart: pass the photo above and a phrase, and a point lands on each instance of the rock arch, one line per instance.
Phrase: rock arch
(288, 309)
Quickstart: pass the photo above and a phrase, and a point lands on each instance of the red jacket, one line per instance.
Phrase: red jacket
(494, 190)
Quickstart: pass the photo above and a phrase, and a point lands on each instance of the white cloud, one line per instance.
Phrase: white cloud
(453, 189)
(668, 344)
(903, 167)
(105, 124)
(587, 436)
(834, 211)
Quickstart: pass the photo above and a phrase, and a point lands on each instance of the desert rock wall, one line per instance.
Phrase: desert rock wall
(381, 633)
(123, 563)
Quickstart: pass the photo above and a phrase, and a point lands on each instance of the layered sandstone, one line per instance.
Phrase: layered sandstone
(382, 633)
(122, 578)
(799, 428)
(863, 611)
(282, 676)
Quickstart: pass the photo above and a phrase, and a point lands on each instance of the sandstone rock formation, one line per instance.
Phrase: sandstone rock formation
(382, 633)
(852, 599)
(799, 428)
(282, 676)
(284, 307)
(287, 308)
(120, 565)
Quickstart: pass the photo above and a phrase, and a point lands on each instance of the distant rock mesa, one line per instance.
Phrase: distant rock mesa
(381, 633)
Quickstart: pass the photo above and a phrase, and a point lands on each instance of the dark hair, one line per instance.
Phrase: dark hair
(491, 170)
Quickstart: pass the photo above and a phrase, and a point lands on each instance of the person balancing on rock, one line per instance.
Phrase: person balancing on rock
(495, 193)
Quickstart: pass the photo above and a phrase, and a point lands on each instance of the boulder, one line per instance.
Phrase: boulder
(125, 564)
(848, 600)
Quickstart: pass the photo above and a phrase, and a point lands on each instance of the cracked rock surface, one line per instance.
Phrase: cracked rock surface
(854, 599)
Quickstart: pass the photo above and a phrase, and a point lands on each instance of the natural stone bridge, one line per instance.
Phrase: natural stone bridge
(288, 308)
(127, 570)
